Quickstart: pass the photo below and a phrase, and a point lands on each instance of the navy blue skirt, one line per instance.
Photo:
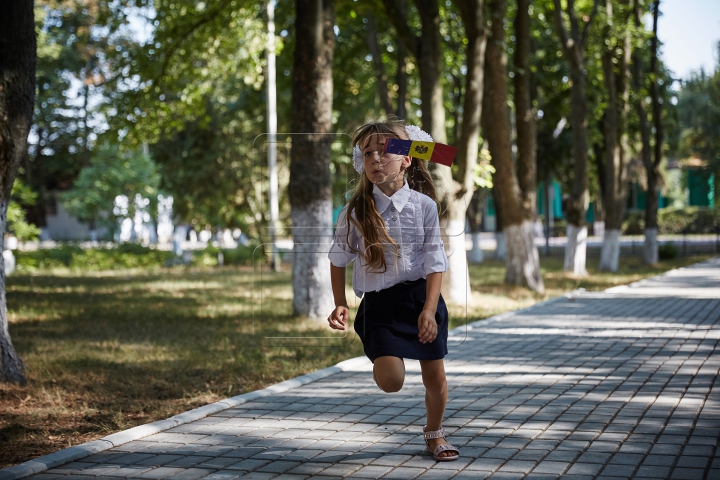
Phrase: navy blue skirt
(387, 323)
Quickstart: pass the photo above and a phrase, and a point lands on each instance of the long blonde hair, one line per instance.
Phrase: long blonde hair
(367, 218)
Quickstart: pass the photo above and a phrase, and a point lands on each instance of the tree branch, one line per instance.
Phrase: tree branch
(399, 20)
(176, 44)
(586, 30)
(564, 39)
(381, 76)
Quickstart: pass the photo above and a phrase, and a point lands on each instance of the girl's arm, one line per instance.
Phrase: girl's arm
(337, 279)
(339, 316)
(434, 281)
(341, 254)
(426, 322)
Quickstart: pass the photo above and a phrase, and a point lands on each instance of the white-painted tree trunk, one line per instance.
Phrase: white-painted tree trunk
(610, 251)
(650, 249)
(500, 246)
(11, 366)
(475, 255)
(576, 250)
(522, 262)
(456, 280)
(272, 138)
(312, 237)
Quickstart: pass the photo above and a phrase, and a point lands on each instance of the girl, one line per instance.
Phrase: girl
(390, 228)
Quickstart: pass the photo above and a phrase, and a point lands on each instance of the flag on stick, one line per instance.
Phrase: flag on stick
(432, 151)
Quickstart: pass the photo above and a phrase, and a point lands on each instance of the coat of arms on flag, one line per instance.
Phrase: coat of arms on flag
(431, 151)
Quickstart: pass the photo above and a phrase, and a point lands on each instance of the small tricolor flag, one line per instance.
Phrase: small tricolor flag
(432, 151)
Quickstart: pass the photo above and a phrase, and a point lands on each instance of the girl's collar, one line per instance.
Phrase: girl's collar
(399, 198)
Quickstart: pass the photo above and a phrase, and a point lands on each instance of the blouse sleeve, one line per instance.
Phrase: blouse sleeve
(341, 254)
(433, 251)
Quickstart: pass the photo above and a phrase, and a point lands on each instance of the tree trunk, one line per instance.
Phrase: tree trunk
(615, 167)
(652, 161)
(476, 254)
(576, 250)
(459, 191)
(430, 66)
(407, 42)
(310, 184)
(455, 286)
(521, 259)
(474, 218)
(573, 45)
(428, 55)
(401, 78)
(499, 236)
(525, 115)
(17, 97)
(380, 75)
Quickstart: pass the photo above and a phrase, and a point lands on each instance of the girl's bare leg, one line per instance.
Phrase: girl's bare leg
(389, 373)
(433, 375)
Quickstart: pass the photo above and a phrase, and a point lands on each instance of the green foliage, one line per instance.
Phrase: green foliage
(699, 112)
(112, 173)
(16, 223)
(79, 259)
(214, 171)
(129, 255)
(200, 52)
(688, 220)
(72, 69)
(484, 170)
(667, 251)
(242, 255)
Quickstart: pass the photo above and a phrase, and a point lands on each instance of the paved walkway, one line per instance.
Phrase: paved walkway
(617, 384)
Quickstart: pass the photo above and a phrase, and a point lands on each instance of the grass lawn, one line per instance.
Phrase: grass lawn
(110, 350)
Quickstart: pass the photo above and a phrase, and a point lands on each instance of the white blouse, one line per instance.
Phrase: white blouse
(411, 220)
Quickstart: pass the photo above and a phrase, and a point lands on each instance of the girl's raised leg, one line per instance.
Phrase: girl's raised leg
(389, 373)
(433, 375)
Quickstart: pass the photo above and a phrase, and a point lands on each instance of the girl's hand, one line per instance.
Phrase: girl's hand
(338, 318)
(427, 326)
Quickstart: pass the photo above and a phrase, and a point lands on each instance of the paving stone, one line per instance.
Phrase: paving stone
(652, 471)
(404, 473)
(517, 466)
(692, 462)
(624, 471)
(562, 456)
(501, 453)
(161, 472)
(485, 464)
(249, 464)
(340, 469)
(626, 459)
(435, 474)
(585, 469)
(259, 476)
(223, 475)
(130, 471)
(278, 466)
(687, 474)
(550, 467)
(192, 474)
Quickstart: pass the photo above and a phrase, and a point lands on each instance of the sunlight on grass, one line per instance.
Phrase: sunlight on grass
(106, 351)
